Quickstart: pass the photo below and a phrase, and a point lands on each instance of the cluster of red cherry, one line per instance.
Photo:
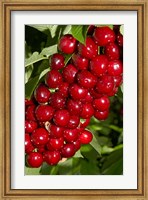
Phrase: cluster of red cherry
(53, 129)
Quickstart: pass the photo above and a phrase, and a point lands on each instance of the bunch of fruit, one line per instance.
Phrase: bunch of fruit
(79, 90)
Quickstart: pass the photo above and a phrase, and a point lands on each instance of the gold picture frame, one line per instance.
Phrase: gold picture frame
(6, 6)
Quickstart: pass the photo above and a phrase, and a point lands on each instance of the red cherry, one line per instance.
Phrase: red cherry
(28, 145)
(28, 102)
(104, 35)
(73, 121)
(55, 144)
(85, 137)
(88, 98)
(120, 39)
(89, 50)
(42, 94)
(52, 157)
(56, 131)
(44, 113)
(30, 126)
(63, 89)
(102, 103)
(87, 111)
(74, 107)
(117, 80)
(34, 159)
(115, 68)
(71, 135)
(53, 79)
(98, 65)
(69, 73)
(86, 79)
(101, 115)
(68, 150)
(112, 51)
(77, 144)
(77, 92)
(57, 101)
(30, 113)
(80, 62)
(61, 117)
(91, 29)
(57, 61)
(67, 44)
(105, 84)
(40, 137)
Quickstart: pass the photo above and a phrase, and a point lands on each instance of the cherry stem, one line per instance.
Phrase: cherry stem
(85, 123)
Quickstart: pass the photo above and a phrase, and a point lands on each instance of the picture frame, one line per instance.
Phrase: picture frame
(5, 114)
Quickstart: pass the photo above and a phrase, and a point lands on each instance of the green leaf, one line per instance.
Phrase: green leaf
(48, 51)
(35, 57)
(67, 58)
(122, 29)
(30, 87)
(28, 72)
(32, 171)
(48, 169)
(89, 168)
(109, 25)
(95, 144)
(79, 32)
(78, 155)
(41, 27)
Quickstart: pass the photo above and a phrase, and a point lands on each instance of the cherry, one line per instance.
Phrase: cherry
(74, 107)
(86, 79)
(102, 103)
(120, 39)
(53, 79)
(34, 159)
(89, 50)
(71, 135)
(55, 144)
(94, 93)
(112, 51)
(69, 73)
(63, 89)
(28, 145)
(30, 126)
(40, 137)
(52, 157)
(56, 131)
(44, 113)
(77, 144)
(28, 102)
(42, 94)
(113, 92)
(101, 115)
(67, 44)
(91, 29)
(57, 61)
(115, 68)
(87, 111)
(77, 92)
(103, 35)
(57, 101)
(61, 117)
(105, 84)
(41, 149)
(116, 28)
(98, 65)
(85, 137)
(68, 150)
(80, 62)
(73, 121)
(30, 113)
(117, 80)
(88, 98)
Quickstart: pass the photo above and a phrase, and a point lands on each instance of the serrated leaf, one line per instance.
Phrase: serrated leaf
(79, 32)
(122, 29)
(35, 57)
(32, 171)
(30, 87)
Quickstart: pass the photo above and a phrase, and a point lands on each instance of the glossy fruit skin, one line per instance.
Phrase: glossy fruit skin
(77, 144)
(105, 84)
(104, 35)
(57, 61)
(30, 126)
(69, 73)
(102, 103)
(115, 68)
(88, 98)
(55, 144)
(117, 80)
(61, 117)
(98, 65)
(40, 137)
(30, 113)
(94, 93)
(42, 94)
(113, 92)
(44, 113)
(56, 131)
(68, 150)
(28, 102)
(71, 135)
(34, 159)
(67, 44)
(87, 111)
(52, 157)
(89, 50)
(28, 145)
(80, 62)
(53, 79)
(112, 51)
(63, 89)
(74, 107)
(101, 115)
(57, 101)
(119, 39)
(91, 29)
(85, 137)
(77, 92)
(86, 79)
(73, 121)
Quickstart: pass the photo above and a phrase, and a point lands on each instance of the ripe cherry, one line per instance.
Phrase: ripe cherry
(89, 50)
(88, 98)
(85, 137)
(67, 44)
(34, 159)
(105, 84)
(56, 61)
(73, 121)
(112, 51)
(74, 107)
(69, 73)
(40, 137)
(28, 145)
(117, 80)
(61, 117)
(98, 65)
(101, 115)
(52, 157)
(56, 131)
(77, 92)
(42, 94)
(115, 68)
(80, 62)
(57, 101)
(71, 135)
(101, 104)
(53, 79)
(103, 35)
(68, 150)
(120, 39)
(30, 113)
(63, 89)
(28, 102)
(55, 144)
(87, 111)
(44, 113)
(30, 126)
(77, 144)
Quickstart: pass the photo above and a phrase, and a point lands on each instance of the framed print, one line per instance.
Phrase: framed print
(73, 100)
